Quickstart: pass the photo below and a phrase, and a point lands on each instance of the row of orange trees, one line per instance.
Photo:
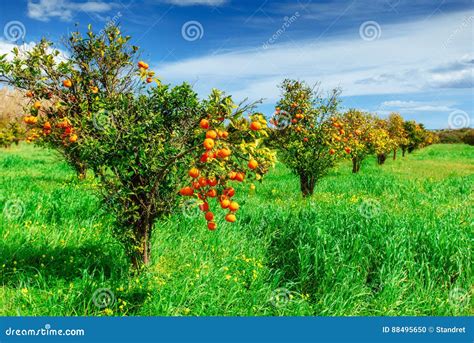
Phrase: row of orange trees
(147, 143)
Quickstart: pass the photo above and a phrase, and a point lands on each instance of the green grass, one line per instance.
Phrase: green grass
(393, 240)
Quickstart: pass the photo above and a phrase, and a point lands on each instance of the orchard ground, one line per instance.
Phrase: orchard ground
(392, 240)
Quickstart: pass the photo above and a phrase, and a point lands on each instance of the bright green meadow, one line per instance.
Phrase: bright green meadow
(392, 240)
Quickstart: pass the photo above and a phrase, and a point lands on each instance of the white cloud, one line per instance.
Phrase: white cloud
(403, 60)
(414, 106)
(44, 10)
(196, 2)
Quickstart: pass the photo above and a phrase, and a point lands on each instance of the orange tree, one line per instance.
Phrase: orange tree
(91, 105)
(381, 143)
(359, 127)
(64, 90)
(396, 130)
(169, 143)
(415, 136)
(303, 133)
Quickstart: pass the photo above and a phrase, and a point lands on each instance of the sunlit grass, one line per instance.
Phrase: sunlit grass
(393, 240)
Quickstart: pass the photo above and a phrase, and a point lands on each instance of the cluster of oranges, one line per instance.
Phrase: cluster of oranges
(210, 186)
(68, 131)
(342, 137)
(144, 72)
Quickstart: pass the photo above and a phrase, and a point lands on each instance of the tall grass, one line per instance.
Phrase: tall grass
(392, 240)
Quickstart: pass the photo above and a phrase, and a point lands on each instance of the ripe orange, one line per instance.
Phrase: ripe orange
(234, 206)
(47, 126)
(204, 157)
(342, 132)
(357, 132)
(211, 226)
(240, 177)
(212, 181)
(193, 172)
(232, 175)
(332, 151)
(94, 90)
(223, 153)
(294, 121)
(142, 65)
(67, 83)
(223, 134)
(37, 105)
(202, 182)
(347, 150)
(252, 164)
(230, 192)
(208, 143)
(255, 126)
(204, 207)
(225, 203)
(196, 185)
(211, 134)
(186, 191)
(305, 139)
(73, 138)
(230, 217)
(204, 124)
(212, 193)
(149, 80)
(299, 116)
(209, 216)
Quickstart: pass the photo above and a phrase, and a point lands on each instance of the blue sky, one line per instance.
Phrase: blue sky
(414, 57)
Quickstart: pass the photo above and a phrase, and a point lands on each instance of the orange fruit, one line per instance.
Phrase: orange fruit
(223, 134)
(230, 192)
(186, 191)
(212, 193)
(252, 164)
(67, 83)
(223, 153)
(29, 94)
(208, 143)
(240, 177)
(204, 124)
(142, 65)
(212, 181)
(47, 126)
(73, 138)
(211, 226)
(94, 90)
(202, 182)
(234, 206)
(149, 80)
(204, 207)
(193, 172)
(37, 105)
(255, 126)
(196, 185)
(305, 139)
(230, 217)
(347, 150)
(204, 157)
(211, 134)
(209, 216)
(225, 203)
(332, 151)
(342, 132)
(232, 175)
(299, 116)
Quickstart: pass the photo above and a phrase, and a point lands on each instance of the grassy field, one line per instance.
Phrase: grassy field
(393, 240)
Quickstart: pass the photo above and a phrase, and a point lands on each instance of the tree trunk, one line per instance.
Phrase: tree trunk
(404, 151)
(307, 184)
(356, 164)
(394, 154)
(381, 159)
(140, 255)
